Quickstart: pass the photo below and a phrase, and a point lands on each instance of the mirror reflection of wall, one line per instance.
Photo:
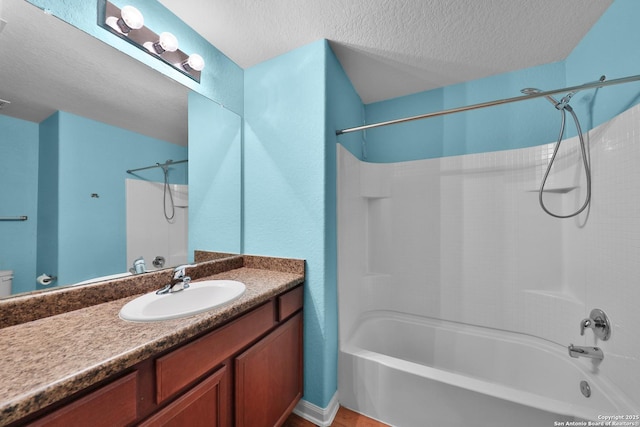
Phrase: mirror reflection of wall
(19, 176)
(215, 177)
(75, 198)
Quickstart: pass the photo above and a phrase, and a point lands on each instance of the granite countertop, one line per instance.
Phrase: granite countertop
(50, 358)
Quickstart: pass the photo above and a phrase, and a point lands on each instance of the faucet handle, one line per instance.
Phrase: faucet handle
(179, 271)
(599, 322)
(585, 323)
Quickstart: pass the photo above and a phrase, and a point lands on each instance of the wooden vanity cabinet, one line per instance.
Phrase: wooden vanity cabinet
(183, 366)
(245, 373)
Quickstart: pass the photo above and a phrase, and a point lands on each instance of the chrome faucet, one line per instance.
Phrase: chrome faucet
(590, 352)
(599, 322)
(179, 282)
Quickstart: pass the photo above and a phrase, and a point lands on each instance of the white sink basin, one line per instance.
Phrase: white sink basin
(198, 297)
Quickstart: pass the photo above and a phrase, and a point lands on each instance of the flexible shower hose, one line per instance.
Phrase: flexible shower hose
(167, 189)
(587, 169)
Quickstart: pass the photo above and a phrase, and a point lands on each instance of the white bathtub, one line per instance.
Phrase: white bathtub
(413, 371)
(104, 278)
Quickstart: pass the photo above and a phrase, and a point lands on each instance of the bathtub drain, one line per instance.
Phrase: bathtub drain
(585, 389)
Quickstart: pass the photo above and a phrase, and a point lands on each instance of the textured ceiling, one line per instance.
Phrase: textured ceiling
(388, 49)
(391, 48)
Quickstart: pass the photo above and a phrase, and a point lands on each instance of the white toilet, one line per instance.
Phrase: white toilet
(6, 277)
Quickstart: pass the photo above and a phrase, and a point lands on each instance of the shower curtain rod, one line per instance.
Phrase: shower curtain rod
(158, 165)
(592, 85)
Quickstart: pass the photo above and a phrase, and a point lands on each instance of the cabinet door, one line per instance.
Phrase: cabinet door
(269, 377)
(205, 405)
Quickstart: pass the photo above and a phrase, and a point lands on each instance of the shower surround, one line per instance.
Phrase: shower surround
(149, 233)
(461, 241)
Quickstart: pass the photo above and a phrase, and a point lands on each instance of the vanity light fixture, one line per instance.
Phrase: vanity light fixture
(128, 24)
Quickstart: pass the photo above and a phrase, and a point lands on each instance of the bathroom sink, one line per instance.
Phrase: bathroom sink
(198, 297)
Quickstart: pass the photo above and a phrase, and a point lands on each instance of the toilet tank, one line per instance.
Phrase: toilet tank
(6, 277)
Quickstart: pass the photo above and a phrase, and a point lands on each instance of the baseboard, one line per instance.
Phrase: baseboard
(322, 417)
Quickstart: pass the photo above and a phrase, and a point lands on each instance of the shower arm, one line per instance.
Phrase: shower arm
(548, 93)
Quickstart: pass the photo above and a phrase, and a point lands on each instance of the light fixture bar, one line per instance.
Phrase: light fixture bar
(111, 18)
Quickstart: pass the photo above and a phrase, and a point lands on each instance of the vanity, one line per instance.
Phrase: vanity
(239, 364)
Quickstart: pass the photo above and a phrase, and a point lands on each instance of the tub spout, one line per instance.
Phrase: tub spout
(590, 352)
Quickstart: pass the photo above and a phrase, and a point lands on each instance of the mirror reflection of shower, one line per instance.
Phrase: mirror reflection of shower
(167, 189)
(155, 233)
(171, 212)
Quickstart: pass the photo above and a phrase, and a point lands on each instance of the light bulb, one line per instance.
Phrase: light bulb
(130, 19)
(166, 42)
(194, 62)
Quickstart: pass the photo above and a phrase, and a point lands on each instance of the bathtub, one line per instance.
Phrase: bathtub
(412, 371)
(104, 278)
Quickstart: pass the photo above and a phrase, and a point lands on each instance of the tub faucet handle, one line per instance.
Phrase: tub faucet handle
(599, 323)
(585, 323)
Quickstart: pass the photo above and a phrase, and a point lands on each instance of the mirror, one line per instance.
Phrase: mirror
(81, 114)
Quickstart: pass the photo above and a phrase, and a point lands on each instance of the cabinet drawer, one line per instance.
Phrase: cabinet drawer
(183, 366)
(110, 406)
(290, 302)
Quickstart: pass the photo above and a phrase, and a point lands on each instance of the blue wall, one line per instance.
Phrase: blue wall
(344, 109)
(221, 79)
(215, 176)
(46, 252)
(503, 127)
(285, 195)
(18, 196)
(342, 106)
(604, 50)
(293, 105)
